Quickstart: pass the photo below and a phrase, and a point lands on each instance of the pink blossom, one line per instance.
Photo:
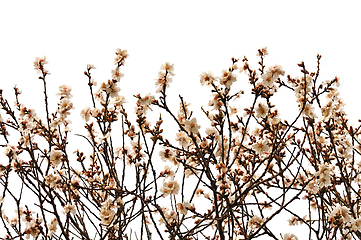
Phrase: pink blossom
(227, 78)
(55, 157)
(121, 55)
(289, 236)
(64, 91)
(85, 114)
(262, 52)
(271, 75)
(52, 226)
(69, 208)
(183, 207)
(116, 75)
(191, 126)
(39, 64)
(207, 78)
(261, 147)
(261, 110)
(183, 139)
(170, 187)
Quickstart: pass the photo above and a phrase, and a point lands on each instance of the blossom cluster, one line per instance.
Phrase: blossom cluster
(225, 172)
(164, 77)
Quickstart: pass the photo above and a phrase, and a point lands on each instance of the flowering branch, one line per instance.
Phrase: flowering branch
(229, 177)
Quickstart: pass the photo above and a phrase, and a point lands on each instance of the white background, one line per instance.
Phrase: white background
(196, 36)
